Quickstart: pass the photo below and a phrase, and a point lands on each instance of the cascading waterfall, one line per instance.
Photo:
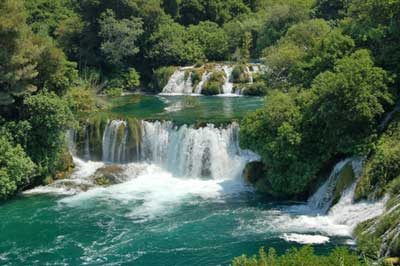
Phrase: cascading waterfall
(184, 151)
(250, 74)
(178, 83)
(114, 141)
(206, 75)
(228, 85)
(323, 197)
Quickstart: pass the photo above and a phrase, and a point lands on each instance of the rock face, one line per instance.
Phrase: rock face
(253, 172)
(109, 175)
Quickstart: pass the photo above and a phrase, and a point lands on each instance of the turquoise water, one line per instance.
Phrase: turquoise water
(185, 110)
(187, 204)
(49, 230)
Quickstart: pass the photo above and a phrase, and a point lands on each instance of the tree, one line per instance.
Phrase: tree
(18, 52)
(132, 78)
(349, 103)
(211, 38)
(50, 117)
(55, 72)
(280, 17)
(16, 168)
(172, 45)
(375, 24)
(119, 37)
(331, 9)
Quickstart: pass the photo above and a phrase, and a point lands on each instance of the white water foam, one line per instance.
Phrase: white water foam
(305, 239)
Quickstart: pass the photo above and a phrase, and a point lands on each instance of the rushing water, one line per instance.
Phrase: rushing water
(183, 202)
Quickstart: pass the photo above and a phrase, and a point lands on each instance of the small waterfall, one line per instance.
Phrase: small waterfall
(177, 84)
(250, 74)
(206, 75)
(114, 141)
(228, 85)
(323, 198)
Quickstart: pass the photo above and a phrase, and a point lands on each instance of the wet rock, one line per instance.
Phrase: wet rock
(109, 175)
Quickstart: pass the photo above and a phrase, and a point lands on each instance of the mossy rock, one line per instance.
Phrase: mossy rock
(253, 172)
(240, 75)
(65, 166)
(109, 175)
(211, 88)
(255, 89)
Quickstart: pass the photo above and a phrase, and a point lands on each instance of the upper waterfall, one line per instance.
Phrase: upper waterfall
(192, 80)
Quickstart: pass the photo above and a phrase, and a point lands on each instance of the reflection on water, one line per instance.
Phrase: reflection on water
(201, 109)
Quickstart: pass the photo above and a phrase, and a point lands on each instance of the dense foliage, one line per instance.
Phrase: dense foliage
(303, 256)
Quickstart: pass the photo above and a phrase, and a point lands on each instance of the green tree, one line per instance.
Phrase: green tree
(16, 168)
(349, 104)
(211, 38)
(50, 117)
(119, 37)
(18, 52)
(172, 45)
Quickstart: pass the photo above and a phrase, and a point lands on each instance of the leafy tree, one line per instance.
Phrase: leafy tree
(119, 37)
(18, 52)
(55, 72)
(172, 45)
(280, 17)
(50, 117)
(331, 9)
(211, 38)
(375, 24)
(16, 168)
(349, 103)
(132, 78)
(45, 16)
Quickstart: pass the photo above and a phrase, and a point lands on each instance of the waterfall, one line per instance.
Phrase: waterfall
(323, 197)
(250, 74)
(208, 151)
(206, 75)
(228, 85)
(177, 84)
(114, 141)
(186, 151)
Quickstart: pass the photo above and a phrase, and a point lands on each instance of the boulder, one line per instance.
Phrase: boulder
(109, 175)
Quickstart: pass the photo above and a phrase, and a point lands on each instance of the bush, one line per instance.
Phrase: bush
(50, 117)
(113, 92)
(214, 84)
(16, 168)
(255, 89)
(295, 257)
(211, 88)
(239, 74)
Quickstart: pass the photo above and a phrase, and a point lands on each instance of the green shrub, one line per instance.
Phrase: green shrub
(113, 92)
(211, 88)
(296, 257)
(239, 74)
(16, 168)
(255, 89)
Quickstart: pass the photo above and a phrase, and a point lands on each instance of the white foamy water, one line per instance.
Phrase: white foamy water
(154, 192)
(305, 239)
(302, 220)
(78, 181)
